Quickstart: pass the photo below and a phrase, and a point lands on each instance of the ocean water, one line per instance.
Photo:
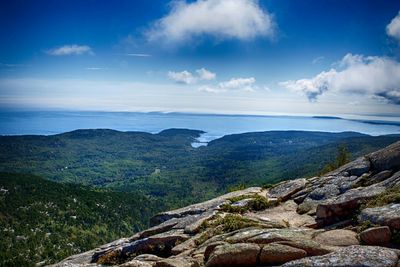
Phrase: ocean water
(215, 126)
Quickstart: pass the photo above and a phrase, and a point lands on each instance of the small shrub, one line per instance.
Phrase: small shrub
(238, 198)
(233, 209)
(233, 222)
(260, 203)
(110, 258)
(256, 203)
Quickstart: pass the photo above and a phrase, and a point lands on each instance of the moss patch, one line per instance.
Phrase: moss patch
(256, 203)
(389, 196)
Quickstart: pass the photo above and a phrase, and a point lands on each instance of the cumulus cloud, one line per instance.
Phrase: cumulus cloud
(205, 74)
(238, 84)
(393, 28)
(186, 77)
(367, 75)
(223, 19)
(67, 50)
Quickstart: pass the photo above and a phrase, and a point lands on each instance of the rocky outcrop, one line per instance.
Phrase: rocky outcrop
(322, 221)
(285, 190)
(388, 215)
(386, 159)
(352, 256)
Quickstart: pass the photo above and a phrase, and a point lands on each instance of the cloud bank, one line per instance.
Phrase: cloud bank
(222, 19)
(186, 77)
(67, 50)
(393, 28)
(367, 75)
(234, 84)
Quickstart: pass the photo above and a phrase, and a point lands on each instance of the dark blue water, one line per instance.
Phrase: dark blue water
(46, 123)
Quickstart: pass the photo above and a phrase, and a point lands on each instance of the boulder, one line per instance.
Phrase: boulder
(345, 205)
(387, 158)
(274, 254)
(240, 254)
(286, 189)
(352, 256)
(376, 236)
(324, 192)
(356, 167)
(210, 248)
(388, 215)
(337, 237)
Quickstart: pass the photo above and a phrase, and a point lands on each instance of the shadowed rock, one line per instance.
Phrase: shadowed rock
(376, 236)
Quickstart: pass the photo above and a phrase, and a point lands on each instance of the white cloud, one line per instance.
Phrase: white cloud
(371, 76)
(206, 74)
(70, 50)
(184, 77)
(223, 19)
(393, 28)
(317, 60)
(238, 84)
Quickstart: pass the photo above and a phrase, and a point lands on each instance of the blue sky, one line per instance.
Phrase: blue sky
(214, 56)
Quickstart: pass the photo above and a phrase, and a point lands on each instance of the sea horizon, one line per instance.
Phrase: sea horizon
(214, 125)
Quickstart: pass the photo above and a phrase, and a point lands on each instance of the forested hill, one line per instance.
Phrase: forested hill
(45, 221)
(120, 179)
(166, 165)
